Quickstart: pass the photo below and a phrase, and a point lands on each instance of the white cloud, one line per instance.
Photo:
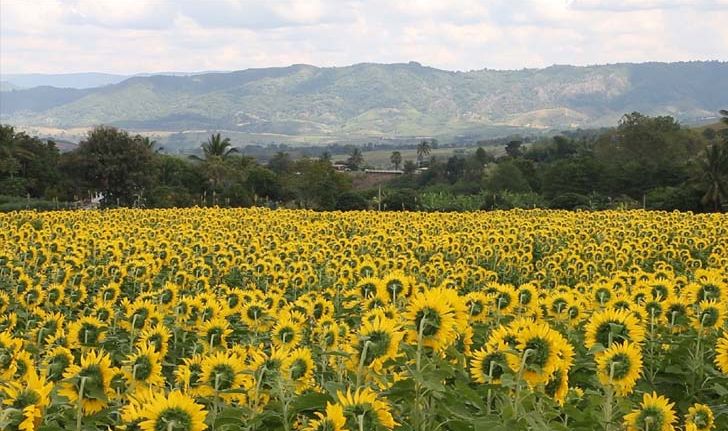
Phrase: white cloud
(131, 36)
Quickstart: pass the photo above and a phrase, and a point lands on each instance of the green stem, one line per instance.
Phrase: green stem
(79, 406)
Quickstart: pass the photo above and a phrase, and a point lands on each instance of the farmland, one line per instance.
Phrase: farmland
(253, 319)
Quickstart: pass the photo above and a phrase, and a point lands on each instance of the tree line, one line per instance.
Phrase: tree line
(650, 162)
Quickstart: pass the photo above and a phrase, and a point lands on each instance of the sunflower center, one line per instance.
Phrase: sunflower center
(195, 373)
(367, 290)
(214, 336)
(491, 365)
(429, 320)
(298, 369)
(619, 366)
(709, 317)
(476, 307)
(94, 382)
(286, 334)
(395, 288)
(156, 341)
(558, 305)
(611, 331)
(540, 353)
(89, 334)
(173, 419)
(701, 419)
(502, 300)
(56, 367)
(650, 418)
(378, 345)
(139, 318)
(142, 368)
(222, 377)
(25, 398)
(708, 292)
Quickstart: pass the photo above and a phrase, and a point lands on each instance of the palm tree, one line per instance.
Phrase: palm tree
(715, 175)
(216, 146)
(396, 159)
(149, 143)
(423, 150)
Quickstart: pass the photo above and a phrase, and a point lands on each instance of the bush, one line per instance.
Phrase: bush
(570, 201)
(400, 200)
(349, 201)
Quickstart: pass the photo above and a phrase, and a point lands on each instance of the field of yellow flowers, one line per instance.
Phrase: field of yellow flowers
(252, 319)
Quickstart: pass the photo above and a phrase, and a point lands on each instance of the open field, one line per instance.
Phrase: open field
(251, 319)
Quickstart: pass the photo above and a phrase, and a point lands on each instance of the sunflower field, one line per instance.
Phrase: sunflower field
(255, 319)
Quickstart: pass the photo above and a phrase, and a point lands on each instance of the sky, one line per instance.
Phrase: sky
(138, 36)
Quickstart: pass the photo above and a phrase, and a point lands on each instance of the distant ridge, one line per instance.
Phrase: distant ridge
(404, 99)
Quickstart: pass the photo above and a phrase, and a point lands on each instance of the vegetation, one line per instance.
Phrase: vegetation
(259, 320)
(649, 162)
(306, 103)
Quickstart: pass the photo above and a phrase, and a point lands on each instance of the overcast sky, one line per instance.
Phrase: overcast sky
(130, 36)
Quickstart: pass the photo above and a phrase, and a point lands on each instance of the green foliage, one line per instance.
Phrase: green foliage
(379, 99)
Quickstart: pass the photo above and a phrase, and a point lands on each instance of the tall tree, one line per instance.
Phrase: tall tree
(714, 165)
(513, 149)
(113, 163)
(355, 160)
(216, 146)
(396, 159)
(423, 150)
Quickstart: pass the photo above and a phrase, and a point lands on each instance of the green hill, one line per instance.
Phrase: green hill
(381, 100)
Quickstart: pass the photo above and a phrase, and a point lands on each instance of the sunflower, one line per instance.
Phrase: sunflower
(333, 420)
(23, 364)
(188, 376)
(558, 385)
(397, 285)
(709, 315)
(701, 417)
(488, 365)
(654, 414)
(286, 332)
(377, 342)
(49, 328)
(363, 410)
(431, 317)
(676, 314)
(538, 353)
(144, 368)
(25, 402)
(256, 315)
(132, 413)
(721, 353)
(9, 347)
(86, 332)
(223, 371)
(214, 333)
(90, 381)
(610, 326)
(620, 367)
(156, 336)
(478, 304)
(56, 362)
(298, 366)
(173, 412)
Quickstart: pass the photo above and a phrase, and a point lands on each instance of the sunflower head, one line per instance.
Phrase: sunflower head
(173, 412)
(701, 416)
(655, 413)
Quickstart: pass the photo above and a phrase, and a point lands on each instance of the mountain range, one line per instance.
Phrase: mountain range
(308, 103)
